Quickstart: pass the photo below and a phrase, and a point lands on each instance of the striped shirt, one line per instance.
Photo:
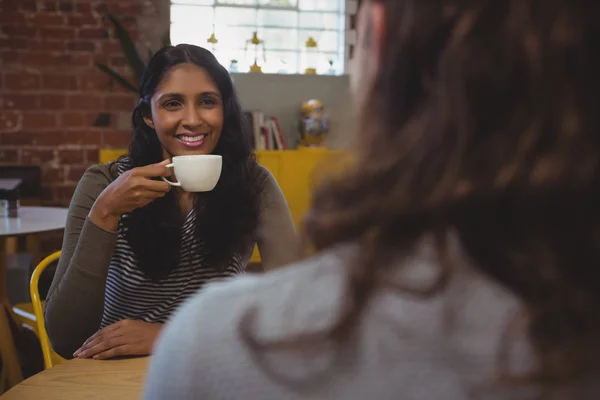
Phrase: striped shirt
(130, 294)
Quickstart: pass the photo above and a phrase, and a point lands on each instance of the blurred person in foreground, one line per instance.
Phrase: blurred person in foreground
(459, 256)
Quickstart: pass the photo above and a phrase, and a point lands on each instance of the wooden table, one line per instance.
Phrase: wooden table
(30, 220)
(85, 379)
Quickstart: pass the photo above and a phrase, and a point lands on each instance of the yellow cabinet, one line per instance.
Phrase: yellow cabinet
(294, 170)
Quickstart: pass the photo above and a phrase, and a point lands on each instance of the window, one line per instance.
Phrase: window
(283, 25)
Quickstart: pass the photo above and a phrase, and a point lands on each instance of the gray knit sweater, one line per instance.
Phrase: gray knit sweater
(444, 347)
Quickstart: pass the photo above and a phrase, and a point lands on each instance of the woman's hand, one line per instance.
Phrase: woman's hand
(123, 338)
(132, 189)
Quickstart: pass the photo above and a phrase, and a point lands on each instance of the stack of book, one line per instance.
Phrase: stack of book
(266, 131)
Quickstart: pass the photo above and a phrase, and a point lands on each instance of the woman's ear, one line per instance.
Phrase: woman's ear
(149, 122)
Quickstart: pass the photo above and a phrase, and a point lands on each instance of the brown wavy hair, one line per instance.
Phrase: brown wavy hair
(483, 120)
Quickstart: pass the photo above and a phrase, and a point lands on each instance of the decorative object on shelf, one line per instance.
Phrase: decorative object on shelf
(331, 70)
(132, 56)
(233, 66)
(311, 56)
(213, 41)
(259, 45)
(314, 123)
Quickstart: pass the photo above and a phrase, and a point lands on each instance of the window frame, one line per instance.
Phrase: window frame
(339, 55)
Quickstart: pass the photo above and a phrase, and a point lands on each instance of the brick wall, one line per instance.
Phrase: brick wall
(56, 108)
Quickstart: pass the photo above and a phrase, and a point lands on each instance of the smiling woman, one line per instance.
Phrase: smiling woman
(135, 248)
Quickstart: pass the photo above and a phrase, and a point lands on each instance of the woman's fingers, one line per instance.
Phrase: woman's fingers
(101, 344)
(155, 186)
(104, 331)
(122, 350)
(152, 170)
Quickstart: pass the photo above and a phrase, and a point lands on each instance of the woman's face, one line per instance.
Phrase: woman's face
(187, 112)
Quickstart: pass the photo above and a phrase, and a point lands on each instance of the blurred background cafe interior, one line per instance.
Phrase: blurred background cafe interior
(69, 73)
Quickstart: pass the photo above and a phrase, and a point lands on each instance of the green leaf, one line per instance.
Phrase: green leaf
(131, 54)
(118, 78)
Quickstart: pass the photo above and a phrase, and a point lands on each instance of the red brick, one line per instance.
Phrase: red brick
(82, 20)
(70, 156)
(47, 45)
(28, 5)
(92, 33)
(39, 121)
(53, 174)
(19, 101)
(13, 17)
(71, 120)
(117, 102)
(66, 6)
(56, 32)
(62, 192)
(51, 138)
(14, 43)
(118, 61)
(10, 121)
(128, 9)
(116, 139)
(48, 6)
(100, 8)
(83, 7)
(14, 31)
(85, 102)
(81, 60)
(46, 19)
(111, 47)
(37, 59)
(91, 156)
(8, 155)
(97, 81)
(36, 156)
(21, 81)
(9, 57)
(75, 173)
(80, 45)
(59, 82)
(53, 101)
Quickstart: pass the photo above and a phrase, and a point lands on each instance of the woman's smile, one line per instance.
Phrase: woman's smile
(192, 140)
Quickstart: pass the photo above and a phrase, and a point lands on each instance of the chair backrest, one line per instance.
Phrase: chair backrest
(50, 357)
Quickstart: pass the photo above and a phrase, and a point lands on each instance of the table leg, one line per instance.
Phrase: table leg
(8, 351)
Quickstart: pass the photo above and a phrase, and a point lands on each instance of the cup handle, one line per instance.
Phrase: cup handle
(168, 181)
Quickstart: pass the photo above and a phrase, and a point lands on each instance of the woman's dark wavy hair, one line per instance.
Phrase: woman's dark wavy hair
(484, 120)
(228, 215)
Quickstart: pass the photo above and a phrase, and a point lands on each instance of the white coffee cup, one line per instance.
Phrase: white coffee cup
(197, 173)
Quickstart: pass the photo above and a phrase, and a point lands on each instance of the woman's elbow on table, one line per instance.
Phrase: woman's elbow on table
(61, 341)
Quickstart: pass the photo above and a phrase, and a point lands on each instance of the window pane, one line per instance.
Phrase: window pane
(277, 18)
(226, 55)
(200, 2)
(319, 20)
(281, 62)
(227, 16)
(234, 37)
(280, 39)
(284, 25)
(238, 2)
(191, 15)
(192, 34)
(329, 5)
(326, 40)
(278, 3)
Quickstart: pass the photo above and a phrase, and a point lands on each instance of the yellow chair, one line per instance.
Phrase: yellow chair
(50, 357)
